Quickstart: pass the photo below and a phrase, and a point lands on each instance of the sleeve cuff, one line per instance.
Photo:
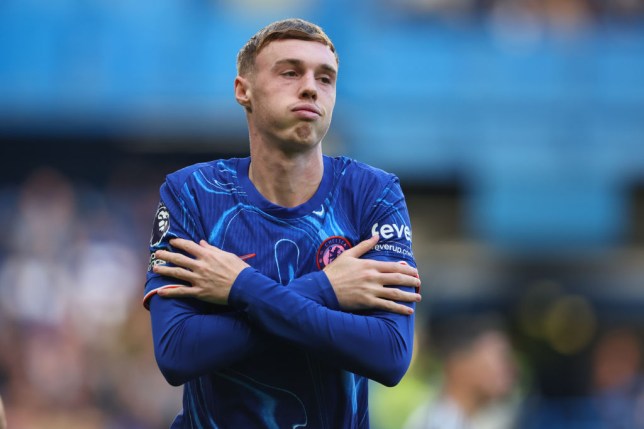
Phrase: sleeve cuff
(242, 286)
(316, 287)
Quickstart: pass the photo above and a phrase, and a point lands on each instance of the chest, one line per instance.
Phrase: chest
(282, 249)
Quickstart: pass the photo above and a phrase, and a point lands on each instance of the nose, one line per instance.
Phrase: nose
(309, 87)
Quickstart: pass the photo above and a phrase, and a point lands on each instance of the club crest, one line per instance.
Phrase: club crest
(330, 249)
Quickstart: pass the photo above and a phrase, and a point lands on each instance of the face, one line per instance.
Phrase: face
(290, 95)
(492, 367)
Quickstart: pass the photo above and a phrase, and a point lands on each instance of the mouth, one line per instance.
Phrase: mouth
(307, 110)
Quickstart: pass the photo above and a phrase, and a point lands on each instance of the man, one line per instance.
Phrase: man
(478, 377)
(249, 308)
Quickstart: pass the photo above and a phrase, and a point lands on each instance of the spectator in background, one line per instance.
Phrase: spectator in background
(3, 420)
(617, 379)
(478, 373)
(38, 240)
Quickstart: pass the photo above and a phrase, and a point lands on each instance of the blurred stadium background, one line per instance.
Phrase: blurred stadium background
(516, 127)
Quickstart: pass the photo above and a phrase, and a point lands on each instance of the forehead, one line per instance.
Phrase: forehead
(307, 51)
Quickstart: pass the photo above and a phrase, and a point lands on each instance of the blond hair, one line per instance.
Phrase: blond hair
(292, 28)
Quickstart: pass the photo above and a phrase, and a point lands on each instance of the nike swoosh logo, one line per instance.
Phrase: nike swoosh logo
(319, 212)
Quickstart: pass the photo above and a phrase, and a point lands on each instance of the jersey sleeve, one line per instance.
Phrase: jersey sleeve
(176, 217)
(190, 342)
(188, 333)
(388, 217)
(377, 346)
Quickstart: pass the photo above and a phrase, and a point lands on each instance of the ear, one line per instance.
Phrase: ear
(242, 92)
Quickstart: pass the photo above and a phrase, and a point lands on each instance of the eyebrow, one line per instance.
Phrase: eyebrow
(299, 63)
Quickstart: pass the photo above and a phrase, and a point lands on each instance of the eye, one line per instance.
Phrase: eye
(326, 79)
(289, 73)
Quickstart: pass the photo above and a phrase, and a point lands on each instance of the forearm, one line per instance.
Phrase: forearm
(190, 342)
(377, 346)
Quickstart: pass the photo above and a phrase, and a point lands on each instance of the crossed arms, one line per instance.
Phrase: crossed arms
(312, 312)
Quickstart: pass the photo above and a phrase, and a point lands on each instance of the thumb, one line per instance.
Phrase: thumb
(362, 247)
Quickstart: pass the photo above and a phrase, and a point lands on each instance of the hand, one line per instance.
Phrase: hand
(211, 273)
(361, 284)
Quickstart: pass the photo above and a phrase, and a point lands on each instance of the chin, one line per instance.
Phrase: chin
(307, 136)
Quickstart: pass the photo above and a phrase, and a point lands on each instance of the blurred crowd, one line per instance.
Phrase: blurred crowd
(472, 371)
(75, 348)
(551, 11)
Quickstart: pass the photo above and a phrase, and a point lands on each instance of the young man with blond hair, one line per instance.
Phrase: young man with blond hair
(270, 279)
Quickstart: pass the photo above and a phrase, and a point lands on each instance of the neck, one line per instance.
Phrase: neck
(286, 179)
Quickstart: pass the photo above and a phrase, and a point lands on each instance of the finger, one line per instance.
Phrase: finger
(395, 294)
(397, 279)
(206, 245)
(392, 307)
(175, 272)
(176, 259)
(394, 267)
(176, 291)
(187, 246)
(415, 270)
(362, 247)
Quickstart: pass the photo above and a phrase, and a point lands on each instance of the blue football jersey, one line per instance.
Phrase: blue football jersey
(281, 354)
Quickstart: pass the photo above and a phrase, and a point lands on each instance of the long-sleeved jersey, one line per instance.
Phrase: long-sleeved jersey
(281, 354)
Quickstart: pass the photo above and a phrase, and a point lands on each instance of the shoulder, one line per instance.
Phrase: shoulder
(217, 169)
(356, 172)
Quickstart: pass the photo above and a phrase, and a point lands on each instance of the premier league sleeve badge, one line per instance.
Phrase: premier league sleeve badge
(161, 225)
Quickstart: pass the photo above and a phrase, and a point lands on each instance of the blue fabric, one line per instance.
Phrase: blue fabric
(281, 354)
